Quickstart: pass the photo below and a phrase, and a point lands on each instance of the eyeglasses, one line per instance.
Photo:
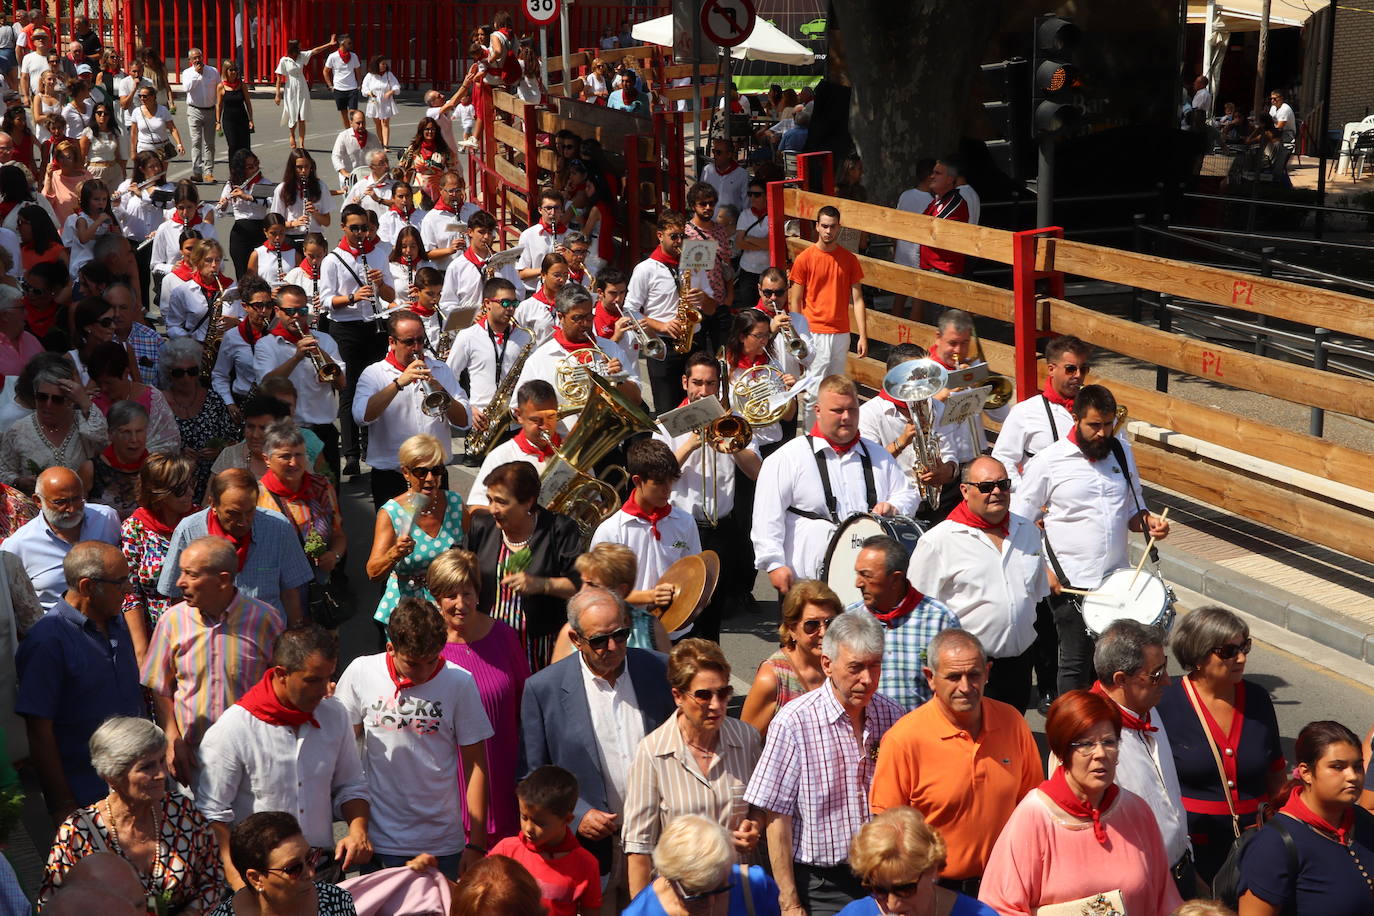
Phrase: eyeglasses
(1230, 650)
(580, 252)
(771, 293)
(706, 694)
(409, 341)
(1073, 369)
(692, 898)
(296, 869)
(420, 472)
(505, 303)
(601, 642)
(676, 236)
(180, 372)
(1158, 676)
(987, 486)
(813, 626)
(550, 208)
(1086, 748)
(898, 890)
(42, 397)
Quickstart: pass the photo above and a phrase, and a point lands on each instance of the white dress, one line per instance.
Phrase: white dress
(295, 101)
(374, 85)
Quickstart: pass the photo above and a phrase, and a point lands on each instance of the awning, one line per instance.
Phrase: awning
(1244, 15)
(766, 42)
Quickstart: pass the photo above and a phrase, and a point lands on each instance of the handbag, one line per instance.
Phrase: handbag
(323, 604)
(1107, 903)
(1216, 755)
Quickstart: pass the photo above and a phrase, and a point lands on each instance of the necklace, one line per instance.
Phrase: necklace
(184, 408)
(58, 451)
(153, 882)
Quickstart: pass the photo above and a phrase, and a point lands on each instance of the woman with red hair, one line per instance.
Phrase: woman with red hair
(1080, 836)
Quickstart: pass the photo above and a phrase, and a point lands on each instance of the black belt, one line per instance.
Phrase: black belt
(202, 107)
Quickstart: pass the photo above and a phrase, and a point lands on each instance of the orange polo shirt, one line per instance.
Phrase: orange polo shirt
(966, 788)
(829, 278)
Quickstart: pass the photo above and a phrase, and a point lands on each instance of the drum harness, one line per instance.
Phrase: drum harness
(870, 488)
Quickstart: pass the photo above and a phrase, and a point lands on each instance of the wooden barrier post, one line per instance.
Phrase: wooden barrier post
(634, 211)
(777, 223)
(529, 113)
(1024, 276)
(816, 173)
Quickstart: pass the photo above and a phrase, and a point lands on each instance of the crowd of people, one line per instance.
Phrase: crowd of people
(529, 736)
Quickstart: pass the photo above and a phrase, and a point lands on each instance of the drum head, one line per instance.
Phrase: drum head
(838, 569)
(1146, 601)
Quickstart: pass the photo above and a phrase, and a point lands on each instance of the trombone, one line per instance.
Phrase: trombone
(726, 434)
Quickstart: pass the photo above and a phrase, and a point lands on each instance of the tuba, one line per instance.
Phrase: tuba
(687, 316)
(569, 486)
(914, 383)
(498, 408)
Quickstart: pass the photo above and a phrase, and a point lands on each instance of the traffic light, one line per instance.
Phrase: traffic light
(1056, 80)
(1004, 113)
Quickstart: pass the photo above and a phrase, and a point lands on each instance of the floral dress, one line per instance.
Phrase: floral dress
(212, 424)
(187, 872)
(145, 551)
(407, 577)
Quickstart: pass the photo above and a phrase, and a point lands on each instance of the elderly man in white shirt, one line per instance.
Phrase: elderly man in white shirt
(1086, 488)
(288, 746)
(444, 229)
(1034, 423)
(987, 565)
(814, 482)
(65, 519)
(373, 190)
(352, 147)
(200, 81)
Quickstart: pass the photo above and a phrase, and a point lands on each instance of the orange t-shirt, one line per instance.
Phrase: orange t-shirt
(828, 277)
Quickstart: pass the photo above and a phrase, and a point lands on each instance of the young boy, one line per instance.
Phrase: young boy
(429, 283)
(659, 533)
(536, 410)
(567, 874)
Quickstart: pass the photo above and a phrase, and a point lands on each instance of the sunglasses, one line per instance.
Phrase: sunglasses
(692, 898)
(987, 486)
(706, 694)
(292, 312)
(755, 193)
(28, 288)
(898, 890)
(1073, 369)
(676, 236)
(420, 472)
(182, 373)
(1231, 650)
(106, 322)
(296, 869)
(357, 227)
(42, 397)
(598, 643)
(409, 341)
(505, 303)
(263, 304)
(1156, 677)
(772, 293)
(812, 627)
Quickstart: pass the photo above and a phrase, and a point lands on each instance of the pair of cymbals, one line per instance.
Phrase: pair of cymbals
(693, 579)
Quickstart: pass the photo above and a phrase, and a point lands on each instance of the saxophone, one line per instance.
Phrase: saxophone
(499, 405)
(687, 316)
(213, 336)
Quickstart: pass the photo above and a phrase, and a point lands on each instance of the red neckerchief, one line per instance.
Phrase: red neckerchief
(405, 209)
(278, 487)
(733, 164)
(391, 360)
(625, 95)
(40, 323)
(1057, 788)
(209, 287)
(195, 220)
(499, 336)
(736, 107)
(1297, 808)
(523, 443)
(214, 529)
(935, 357)
(902, 407)
(965, 516)
(250, 334)
(345, 56)
(558, 227)
(442, 206)
(231, 86)
(424, 311)
(541, 296)
(568, 344)
(427, 149)
(749, 362)
(1053, 397)
(405, 683)
(361, 137)
(662, 257)
(285, 333)
(759, 213)
(262, 703)
(1128, 719)
(1073, 437)
(312, 270)
(841, 448)
(183, 271)
(475, 259)
(904, 607)
(114, 462)
(405, 261)
(347, 245)
(274, 249)
(568, 844)
(603, 322)
(577, 277)
(652, 516)
(150, 521)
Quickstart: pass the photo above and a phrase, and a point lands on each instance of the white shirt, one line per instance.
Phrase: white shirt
(347, 155)
(153, 131)
(298, 277)
(77, 118)
(248, 766)
(789, 477)
(678, 537)
(167, 241)
(504, 453)
(275, 266)
(411, 741)
(882, 421)
(343, 77)
(782, 358)
(444, 229)
(317, 402)
(690, 493)
(754, 227)
(653, 290)
(358, 195)
(1285, 114)
(403, 418)
(964, 445)
(138, 215)
(993, 591)
(391, 224)
(79, 252)
(323, 207)
(1202, 99)
(445, 122)
(339, 276)
(235, 361)
(477, 349)
(618, 726)
(913, 200)
(538, 241)
(30, 69)
(1026, 431)
(43, 551)
(1088, 509)
(200, 86)
(547, 356)
(731, 188)
(463, 282)
(537, 316)
(975, 203)
(188, 310)
(124, 84)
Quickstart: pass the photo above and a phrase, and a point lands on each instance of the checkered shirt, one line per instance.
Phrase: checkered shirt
(147, 344)
(813, 770)
(905, 653)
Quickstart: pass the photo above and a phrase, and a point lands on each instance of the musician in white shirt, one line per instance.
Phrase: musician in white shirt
(706, 492)
(301, 198)
(374, 189)
(167, 238)
(390, 399)
(543, 237)
(888, 422)
(354, 291)
(1090, 504)
(568, 342)
(352, 147)
(444, 228)
(488, 348)
(400, 212)
(238, 201)
(538, 313)
(653, 293)
(536, 413)
(189, 305)
(235, 374)
(286, 352)
(746, 350)
(1034, 423)
(793, 518)
(466, 274)
(772, 301)
(987, 565)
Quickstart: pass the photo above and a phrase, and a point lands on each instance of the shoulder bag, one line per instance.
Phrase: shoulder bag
(323, 604)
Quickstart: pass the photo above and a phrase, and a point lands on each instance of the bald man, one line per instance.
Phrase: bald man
(66, 519)
(76, 669)
(104, 880)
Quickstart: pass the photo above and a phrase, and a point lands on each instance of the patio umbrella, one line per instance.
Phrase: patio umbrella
(765, 42)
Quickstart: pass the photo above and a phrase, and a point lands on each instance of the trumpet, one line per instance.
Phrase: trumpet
(326, 370)
(726, 434)
(795, 345)
(651, 345)
(436, 401)
(687, 316)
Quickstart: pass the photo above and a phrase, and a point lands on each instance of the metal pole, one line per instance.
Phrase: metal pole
(696, 92)
(1166, 320)
(544, 54)
(1316, 422)
(1044, 184)
(563, 37)
(1325, 136)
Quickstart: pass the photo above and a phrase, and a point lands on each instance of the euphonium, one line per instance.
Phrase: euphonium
(1003, 388)
(687, 316)
(914, 383)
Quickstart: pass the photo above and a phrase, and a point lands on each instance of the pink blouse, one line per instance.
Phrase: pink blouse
(14, 355)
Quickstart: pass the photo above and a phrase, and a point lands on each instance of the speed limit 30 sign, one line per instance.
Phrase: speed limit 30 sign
(542, 12)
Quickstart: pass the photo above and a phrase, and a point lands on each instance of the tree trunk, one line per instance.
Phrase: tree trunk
(1263, 58)
(912, 65)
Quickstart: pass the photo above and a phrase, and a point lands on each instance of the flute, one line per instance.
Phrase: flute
(225, 201)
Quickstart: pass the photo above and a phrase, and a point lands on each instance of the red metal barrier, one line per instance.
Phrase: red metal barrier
(1024, 280)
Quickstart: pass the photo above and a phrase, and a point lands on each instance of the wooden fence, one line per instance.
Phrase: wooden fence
(1249, 467)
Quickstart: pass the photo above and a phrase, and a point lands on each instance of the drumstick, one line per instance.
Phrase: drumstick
(1076, 591)
(1143, 557)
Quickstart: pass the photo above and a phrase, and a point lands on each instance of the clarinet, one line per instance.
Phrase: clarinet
(362, 260)
(281, 267)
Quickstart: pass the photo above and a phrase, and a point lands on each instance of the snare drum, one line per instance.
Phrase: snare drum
(1148, 601)
(837, 569)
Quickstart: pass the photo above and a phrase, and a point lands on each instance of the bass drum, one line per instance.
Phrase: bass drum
(1128, 595)
(837, 570)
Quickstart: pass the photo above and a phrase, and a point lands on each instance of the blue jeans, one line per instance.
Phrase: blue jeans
(447, 864)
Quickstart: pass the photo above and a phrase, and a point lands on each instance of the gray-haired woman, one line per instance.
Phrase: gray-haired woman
(307, 500)
(1212, 645)
(697, 876)
(118, 466)
(64, 430)
(202, 417)
(161, 833)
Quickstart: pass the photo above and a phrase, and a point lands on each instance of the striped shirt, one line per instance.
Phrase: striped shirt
(275, 564)
(205, 667)
(814, 771)
(666, 781)
(905, 640)
(147, 345)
